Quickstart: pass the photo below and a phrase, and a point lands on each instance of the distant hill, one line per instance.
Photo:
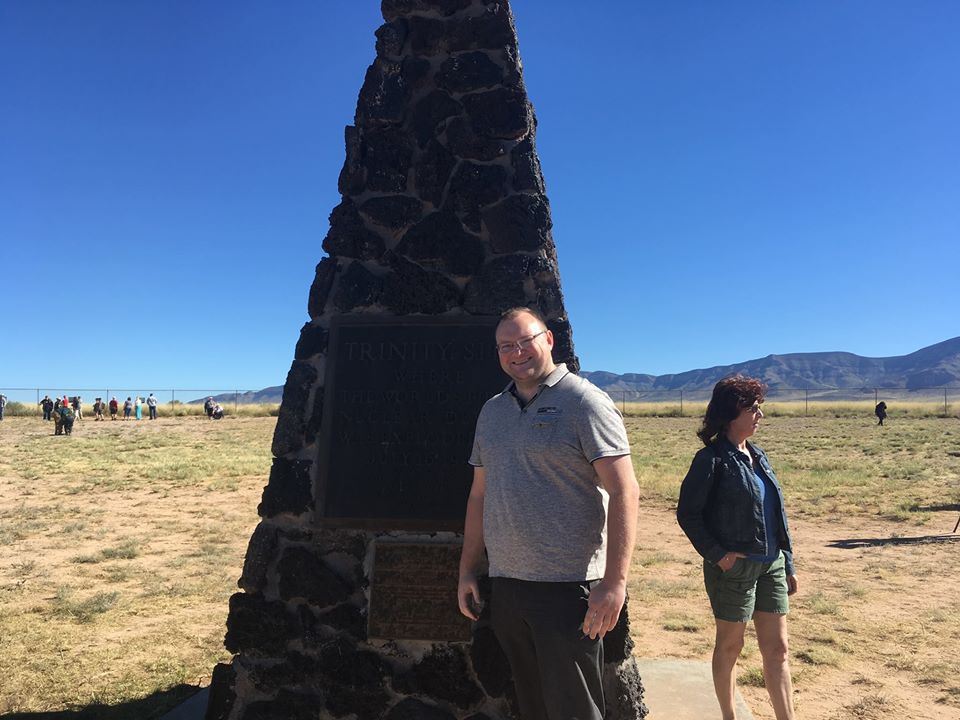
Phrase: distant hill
(267, 395)
(933, 366)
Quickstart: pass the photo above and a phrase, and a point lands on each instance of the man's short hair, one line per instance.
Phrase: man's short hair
(520, 310)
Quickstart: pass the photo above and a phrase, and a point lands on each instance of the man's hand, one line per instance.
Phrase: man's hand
(468, 595)
(603, 608)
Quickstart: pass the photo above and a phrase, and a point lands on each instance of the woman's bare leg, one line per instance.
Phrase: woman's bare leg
(726, 650)
(774, 649)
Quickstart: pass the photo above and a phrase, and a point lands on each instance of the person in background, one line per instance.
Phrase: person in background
(3, 405)
(881, 412)
(114, 408)
(67, 416)
(57, 418)
(47, 406)
(152, 406)
(77, 408)
(127, 408)
(731, 509)
(97, 409)
(216, 412)
(138, 406)
(208, 407)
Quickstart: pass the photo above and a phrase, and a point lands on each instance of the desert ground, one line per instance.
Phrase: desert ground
(120, 546)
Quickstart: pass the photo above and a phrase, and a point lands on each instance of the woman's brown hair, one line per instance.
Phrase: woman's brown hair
(730, 396)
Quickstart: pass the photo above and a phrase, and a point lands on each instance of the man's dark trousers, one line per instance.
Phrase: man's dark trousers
(556, 669)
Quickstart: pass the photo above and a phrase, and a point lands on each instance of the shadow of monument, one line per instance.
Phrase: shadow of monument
(151, 707)
(854, 543)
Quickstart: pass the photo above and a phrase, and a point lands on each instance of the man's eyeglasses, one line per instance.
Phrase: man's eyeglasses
(520, 345)
(755, 408)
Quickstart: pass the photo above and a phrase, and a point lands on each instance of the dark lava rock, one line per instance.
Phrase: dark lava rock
(412, 289)
(312, 341)
(288, 435)
(288, 490)
(617, 644)
(349, 237)
(472, 188)
(563, 345)
(316, 417)
(353, 175)
(413, 709)
(433, 171)
(356, 680)
(387, 159)
(391, 37)
(440, 242)
(465, 143)
(257, 626)
(286, 706)
(383, 96)
(320, 289)
(498, 286)
(430, 112)
(393, 9)
(260, 551)
(441, 674)
(222, 692)
(393, 211)
(521, 222)
(358, 287)
(468, 72)
(501, 113)
(304, 575)
(527, 176)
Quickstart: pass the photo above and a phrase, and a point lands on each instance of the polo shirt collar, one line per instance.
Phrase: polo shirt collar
(559, 372)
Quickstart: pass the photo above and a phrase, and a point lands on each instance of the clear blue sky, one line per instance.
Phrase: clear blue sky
(728, 180)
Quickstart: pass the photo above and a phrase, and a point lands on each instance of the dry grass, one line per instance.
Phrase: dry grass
(120, 545)
(875, 625)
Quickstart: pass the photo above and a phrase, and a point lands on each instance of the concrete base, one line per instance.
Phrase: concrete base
(682, 690)
(672, 690)
(193, 709)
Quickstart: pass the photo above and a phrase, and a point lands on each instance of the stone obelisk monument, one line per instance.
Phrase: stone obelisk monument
(348, 603)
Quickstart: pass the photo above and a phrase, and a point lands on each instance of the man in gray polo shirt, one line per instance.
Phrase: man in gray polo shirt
(554, 505)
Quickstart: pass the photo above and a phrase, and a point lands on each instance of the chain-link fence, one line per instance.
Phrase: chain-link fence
(939, 401)
(170, 401)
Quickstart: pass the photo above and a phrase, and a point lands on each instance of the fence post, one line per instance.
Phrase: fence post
(874, 396)
(944, 401)
(806, 401)
(41, 409)
(173, 402)
(681, 403)
(236, 401)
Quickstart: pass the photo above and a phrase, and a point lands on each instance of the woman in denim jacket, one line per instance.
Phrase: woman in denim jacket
(731, 508)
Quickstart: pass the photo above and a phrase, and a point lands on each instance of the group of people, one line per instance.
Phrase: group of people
(66, 410)
(63, 412)
(551, 519)
(212, 408)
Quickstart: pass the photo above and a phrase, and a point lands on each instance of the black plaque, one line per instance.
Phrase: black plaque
(413, 594)
(401, 401)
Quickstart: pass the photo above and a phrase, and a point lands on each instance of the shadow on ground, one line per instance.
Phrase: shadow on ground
(150, 707)
(935, 508)
(854, 543)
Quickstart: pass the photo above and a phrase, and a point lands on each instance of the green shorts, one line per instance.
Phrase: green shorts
(747, 586)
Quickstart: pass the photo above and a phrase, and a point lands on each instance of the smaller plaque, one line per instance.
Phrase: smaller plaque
(413, 593)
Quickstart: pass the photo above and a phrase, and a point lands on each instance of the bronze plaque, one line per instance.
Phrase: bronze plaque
(401, 401)
(413, 593)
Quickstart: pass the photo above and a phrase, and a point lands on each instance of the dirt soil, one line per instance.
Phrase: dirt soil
(853, 573)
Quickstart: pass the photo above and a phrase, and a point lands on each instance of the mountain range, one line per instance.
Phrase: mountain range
(934, 366)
